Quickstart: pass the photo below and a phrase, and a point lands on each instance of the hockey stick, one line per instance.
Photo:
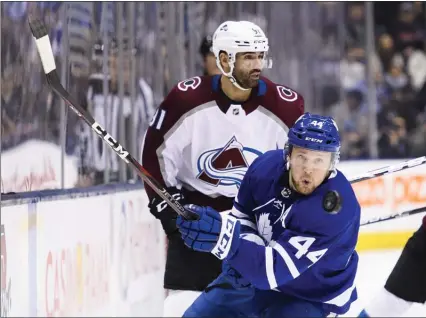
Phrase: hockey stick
(44, 48)
(394, 216)
(389, 169)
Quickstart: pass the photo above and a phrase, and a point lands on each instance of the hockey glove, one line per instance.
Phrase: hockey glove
(211, 233)
(162, 211)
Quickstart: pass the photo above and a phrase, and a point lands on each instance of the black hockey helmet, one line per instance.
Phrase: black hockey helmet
(206, 45)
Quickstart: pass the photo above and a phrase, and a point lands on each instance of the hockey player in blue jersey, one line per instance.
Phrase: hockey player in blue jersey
(288, 244)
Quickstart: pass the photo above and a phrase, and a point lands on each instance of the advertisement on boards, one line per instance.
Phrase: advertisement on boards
(73, 257)
(36, 165)
(392, 193)
(139, 257)
(15, 291)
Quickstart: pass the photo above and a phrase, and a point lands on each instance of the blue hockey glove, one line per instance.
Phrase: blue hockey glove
(211, 232)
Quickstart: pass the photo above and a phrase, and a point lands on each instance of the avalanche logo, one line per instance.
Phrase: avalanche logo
(225, 166)
(192, 83)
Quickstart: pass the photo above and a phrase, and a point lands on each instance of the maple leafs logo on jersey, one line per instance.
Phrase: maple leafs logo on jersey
(264, 227)
(226, 165)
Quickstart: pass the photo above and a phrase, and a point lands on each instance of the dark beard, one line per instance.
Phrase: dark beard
(245, 82)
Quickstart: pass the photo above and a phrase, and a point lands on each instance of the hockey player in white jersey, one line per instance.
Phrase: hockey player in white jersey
(202, 139)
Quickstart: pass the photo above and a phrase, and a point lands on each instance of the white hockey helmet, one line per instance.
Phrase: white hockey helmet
(238, 37)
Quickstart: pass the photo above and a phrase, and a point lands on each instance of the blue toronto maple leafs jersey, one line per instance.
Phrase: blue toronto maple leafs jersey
(290, 243)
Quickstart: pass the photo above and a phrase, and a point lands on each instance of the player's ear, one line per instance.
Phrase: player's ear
(224, 61)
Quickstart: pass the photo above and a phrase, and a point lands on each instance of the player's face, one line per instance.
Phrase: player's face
(247, 68)
(309, 168)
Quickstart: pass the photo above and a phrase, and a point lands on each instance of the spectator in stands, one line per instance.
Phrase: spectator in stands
(91, 151)
(396, 78)
(419, 13)
(405, 105)
(210, 67)
(11, 101)
(408, 28)
(353, 65)
(354, 122)
(393, 141)
(417, 140)
(354, 146)
(416, 67)
(355, 29)
(9, 43)
(352, 70)
(145, 107)
(387, 54)
(330, 14)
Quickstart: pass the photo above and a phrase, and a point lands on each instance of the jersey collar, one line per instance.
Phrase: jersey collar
(224, 102)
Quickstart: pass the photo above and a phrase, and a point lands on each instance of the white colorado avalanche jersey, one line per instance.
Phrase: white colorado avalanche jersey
(202, 142)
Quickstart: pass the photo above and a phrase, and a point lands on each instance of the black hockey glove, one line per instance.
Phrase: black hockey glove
(163, 212)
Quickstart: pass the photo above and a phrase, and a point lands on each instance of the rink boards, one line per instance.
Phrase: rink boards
(383, 196)
(98, 251)
(73, 253)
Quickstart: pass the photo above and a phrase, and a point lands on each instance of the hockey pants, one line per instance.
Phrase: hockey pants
(408, 278)
(221, 299)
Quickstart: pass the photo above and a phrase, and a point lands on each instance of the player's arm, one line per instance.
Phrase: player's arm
(292, 254)
(162, 148)
(291, 105)
(244, 204)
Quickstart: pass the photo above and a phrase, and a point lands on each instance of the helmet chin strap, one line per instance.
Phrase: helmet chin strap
(229, 74)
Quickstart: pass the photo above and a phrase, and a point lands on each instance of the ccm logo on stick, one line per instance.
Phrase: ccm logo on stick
(123, 153)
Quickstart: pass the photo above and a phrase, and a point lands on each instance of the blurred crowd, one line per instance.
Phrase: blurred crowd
(29, 108)
(24, 94)
(399, 67)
